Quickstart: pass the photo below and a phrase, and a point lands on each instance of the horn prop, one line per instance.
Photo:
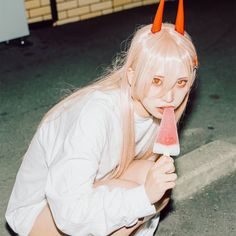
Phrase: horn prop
(156, 26)
(179, 23)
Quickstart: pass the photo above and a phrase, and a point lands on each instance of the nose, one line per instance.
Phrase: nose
(169, 96)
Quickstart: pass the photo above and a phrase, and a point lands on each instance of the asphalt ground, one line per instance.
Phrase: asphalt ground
(57, 60)
(210, 212)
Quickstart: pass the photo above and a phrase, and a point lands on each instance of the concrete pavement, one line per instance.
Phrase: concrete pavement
(210, 212)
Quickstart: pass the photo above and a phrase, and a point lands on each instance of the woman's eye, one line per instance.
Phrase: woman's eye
(182, 83)
(157, 81)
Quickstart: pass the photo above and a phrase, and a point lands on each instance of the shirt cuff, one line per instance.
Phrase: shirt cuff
(139, 202)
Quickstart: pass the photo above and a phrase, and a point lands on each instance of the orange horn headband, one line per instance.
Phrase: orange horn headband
(156, 27)
(179, 23)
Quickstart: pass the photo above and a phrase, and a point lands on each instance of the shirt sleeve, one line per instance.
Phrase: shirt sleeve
(77, 207)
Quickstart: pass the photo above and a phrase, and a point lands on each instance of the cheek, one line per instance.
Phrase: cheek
(154, 91)
(145, 101)
(150, 97)
(180, 95)
(148, 103)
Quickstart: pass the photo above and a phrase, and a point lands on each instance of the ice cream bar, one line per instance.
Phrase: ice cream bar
(167, 142)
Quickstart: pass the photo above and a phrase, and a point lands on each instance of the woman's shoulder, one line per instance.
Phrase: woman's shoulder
(110, 98)
(97, 103)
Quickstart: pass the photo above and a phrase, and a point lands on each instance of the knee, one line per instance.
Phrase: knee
(133, 176)
(114, 183)
(137, 171)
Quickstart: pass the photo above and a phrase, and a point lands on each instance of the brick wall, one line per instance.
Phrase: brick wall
(38, 10)
(76, 10)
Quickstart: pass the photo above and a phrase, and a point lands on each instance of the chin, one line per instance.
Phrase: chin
(157, 116)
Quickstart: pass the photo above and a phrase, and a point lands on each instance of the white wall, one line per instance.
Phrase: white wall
(13, 22)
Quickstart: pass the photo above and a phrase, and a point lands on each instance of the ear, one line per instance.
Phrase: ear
(130, 75)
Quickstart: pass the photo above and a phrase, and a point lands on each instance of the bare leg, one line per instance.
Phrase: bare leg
(132, 177)
(45, 225)
(137, 172)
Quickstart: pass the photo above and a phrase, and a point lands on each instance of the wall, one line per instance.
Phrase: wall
(76, 10)
(38, 10)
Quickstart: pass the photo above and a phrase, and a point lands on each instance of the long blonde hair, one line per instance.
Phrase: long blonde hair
(147, 51)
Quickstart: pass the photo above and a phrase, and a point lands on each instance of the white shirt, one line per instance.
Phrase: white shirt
(73, 147)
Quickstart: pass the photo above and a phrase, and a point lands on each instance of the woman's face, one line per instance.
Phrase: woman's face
(164, 92)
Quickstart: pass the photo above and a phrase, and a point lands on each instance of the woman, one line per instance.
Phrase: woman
(90, 169)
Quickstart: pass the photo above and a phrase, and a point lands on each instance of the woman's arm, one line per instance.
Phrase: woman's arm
(133, 176)
(77, 206)
(114, 183)
(45, 225)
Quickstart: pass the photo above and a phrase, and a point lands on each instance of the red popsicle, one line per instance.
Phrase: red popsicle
(167, 142)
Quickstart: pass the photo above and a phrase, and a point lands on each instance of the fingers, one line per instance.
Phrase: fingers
(170, 177)
(164, 164)
(166, 178)
(160, 178)
(170, 185)
(164, 171)
(162, 160)
(167, 168)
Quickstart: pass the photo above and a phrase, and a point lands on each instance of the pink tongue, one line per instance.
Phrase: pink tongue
(168, 132)
(167, 141)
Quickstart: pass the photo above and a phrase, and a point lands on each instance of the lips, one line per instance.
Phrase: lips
(161, 109)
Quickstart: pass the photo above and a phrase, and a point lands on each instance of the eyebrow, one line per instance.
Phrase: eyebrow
(155, 76)
(162, 77)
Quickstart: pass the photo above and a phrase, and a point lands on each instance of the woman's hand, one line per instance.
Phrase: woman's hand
(160, 178)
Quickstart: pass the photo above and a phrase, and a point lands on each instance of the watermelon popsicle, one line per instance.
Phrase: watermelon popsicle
(167, 142)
